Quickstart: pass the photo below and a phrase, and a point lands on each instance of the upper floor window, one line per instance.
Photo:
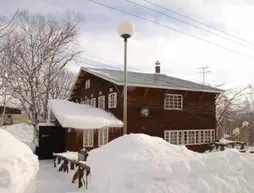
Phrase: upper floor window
(101, 102)
(189, 137)
(93, 102)
(173, 102)
(87, 84)
(112, 100)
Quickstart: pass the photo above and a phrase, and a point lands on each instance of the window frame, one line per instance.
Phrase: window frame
(87, 84)
(93, 102)
(199, 136)
(168, 102)
(101, 102)
(104, 141)
(114, 105)
(89, 132)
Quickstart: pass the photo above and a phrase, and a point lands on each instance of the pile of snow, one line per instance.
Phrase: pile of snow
(139, 163)
(82, 116)
(69, 155)
(236, 131)
(225, 141)
(18, 164)
(23, 132)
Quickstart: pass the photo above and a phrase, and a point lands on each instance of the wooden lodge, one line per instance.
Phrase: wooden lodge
(179, 111)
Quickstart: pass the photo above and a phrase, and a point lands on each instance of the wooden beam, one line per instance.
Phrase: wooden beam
(117, 89)
(145, 92)
(185, 95)
(201, 97)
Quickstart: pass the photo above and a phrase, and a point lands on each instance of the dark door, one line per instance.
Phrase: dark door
(51, 140)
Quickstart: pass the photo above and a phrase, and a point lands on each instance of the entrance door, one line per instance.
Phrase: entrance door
(51, 140)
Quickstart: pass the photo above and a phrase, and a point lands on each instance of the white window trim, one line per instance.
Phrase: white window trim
(87, 84)
(105, 141)
(171, 108)
(101, 102)
(93, 102)
(114, 105)
(211, 133)
(89, 132)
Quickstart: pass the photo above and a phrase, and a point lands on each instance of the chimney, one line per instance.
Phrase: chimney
(157, 67)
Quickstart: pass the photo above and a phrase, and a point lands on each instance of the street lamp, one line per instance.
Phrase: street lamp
(125, 30)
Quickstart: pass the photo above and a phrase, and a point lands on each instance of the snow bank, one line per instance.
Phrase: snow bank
(82, 116)
(24, 133)
(18, 164)
(139, 163)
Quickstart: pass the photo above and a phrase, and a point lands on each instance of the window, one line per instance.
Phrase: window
(88, 138)
(87, 101)
(93, 102)
(189, 137)
(87, 84)
(102, 136)
(101, 102)
(112, 100)
(173, 102)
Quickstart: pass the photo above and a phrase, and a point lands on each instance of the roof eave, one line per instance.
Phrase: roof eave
(120, 83)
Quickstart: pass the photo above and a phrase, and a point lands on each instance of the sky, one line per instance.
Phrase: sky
(179, 53)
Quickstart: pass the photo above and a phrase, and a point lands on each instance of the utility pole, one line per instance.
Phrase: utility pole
(204, 71)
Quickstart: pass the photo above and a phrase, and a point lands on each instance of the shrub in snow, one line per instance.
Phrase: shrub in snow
(139, 163)
(18, 164)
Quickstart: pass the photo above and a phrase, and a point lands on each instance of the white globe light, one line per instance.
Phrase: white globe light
(125, 29)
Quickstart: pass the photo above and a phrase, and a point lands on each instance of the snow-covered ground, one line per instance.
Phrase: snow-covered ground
(139, 163)
(18, 164)
(23, 132)
(49, 180)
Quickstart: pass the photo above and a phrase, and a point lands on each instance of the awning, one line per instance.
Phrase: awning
(82, 116)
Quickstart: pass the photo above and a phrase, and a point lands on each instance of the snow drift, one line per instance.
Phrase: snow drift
(139, 163)
(23, 132)
(18, 164)
(82, 116)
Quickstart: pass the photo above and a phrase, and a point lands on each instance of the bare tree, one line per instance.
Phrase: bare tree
(7, 26)
(38, 50)
(227, 105)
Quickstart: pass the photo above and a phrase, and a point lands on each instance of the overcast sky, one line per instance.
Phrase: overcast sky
(178, 53)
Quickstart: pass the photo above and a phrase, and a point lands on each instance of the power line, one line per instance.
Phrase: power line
(202, 23)
(157, 23)
(190, 24)
(204, 71)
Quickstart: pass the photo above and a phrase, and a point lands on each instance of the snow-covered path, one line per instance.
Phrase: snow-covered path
(48, 180)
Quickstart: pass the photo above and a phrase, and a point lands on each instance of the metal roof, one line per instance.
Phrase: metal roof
(149, 80)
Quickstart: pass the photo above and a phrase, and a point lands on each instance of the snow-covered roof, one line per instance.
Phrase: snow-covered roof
(150, 80)
(82, 116)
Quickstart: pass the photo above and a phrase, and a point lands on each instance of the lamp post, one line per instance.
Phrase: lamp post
(125, 30)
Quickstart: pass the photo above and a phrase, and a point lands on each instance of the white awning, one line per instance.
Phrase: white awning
(82, 116)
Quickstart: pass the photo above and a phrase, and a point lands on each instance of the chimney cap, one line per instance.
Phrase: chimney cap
(157, 63)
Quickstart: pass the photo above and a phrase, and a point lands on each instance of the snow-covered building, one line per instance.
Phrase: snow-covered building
(179, 111)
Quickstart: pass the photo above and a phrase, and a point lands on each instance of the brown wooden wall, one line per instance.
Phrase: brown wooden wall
(198, 108)
(198, 112)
